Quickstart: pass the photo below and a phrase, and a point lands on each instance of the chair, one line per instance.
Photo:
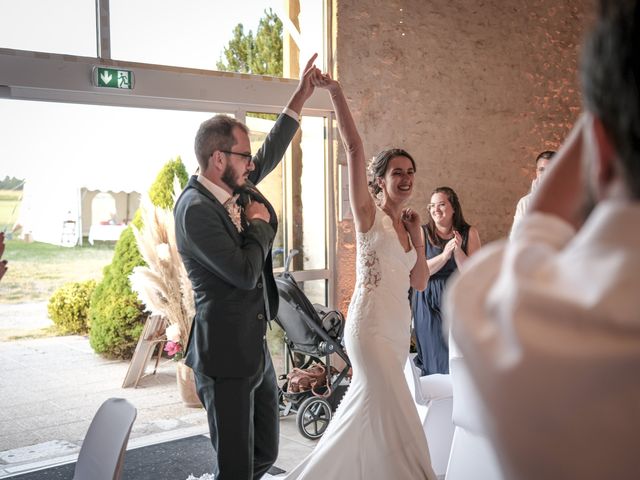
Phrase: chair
(472, 454)
(69, 234)
(433, 398)
(102, 454)
(152, 336)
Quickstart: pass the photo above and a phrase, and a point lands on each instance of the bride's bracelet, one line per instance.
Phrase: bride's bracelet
(418, 246)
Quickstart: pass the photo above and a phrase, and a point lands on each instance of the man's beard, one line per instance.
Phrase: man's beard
(228, 177)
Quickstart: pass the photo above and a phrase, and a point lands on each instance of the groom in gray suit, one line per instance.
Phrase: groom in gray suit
(224, 231)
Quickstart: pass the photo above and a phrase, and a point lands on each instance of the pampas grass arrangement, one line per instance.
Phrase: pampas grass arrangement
(163, 285)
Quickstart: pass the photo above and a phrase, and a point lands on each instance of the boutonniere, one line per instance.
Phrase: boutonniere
(235, 212)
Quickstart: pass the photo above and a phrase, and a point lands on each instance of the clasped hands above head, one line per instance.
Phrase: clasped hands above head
(323, 80)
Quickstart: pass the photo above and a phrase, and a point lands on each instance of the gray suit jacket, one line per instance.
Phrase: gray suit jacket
(231, 272)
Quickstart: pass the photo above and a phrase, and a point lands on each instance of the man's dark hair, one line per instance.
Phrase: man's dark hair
(610, 72)
(215, 134)
(546, 155)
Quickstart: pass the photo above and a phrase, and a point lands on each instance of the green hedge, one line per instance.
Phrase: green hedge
(117, 317)
(69, 307)
(161, 192)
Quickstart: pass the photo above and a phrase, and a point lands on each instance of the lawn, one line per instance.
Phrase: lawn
(36, 269)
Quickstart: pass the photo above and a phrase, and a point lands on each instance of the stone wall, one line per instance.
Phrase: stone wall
(473, 89)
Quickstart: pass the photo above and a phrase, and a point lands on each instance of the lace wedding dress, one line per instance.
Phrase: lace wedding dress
(376, 432)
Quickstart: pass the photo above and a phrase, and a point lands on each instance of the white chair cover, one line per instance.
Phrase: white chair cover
(433, 398)
(472, 455)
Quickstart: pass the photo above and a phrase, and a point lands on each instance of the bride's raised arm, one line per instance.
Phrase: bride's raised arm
(362, 204)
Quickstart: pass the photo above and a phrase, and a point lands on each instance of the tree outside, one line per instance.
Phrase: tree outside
(11, 183)
(259, 55)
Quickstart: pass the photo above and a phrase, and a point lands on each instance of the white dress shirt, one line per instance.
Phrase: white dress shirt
(549, 325)
(220, 193)
(521, 209)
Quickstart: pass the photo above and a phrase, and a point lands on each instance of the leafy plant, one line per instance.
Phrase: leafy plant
(116, 315)
(69, 307)
(161, 192)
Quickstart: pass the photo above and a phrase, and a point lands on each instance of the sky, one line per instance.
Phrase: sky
(39, 138)
(171, 32)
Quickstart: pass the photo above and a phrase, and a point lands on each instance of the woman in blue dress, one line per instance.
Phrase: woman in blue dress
(449, 240)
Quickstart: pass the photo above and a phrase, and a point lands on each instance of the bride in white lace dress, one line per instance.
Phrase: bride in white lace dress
(376, 432)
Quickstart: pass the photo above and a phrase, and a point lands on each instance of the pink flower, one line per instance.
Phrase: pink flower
(172, 348)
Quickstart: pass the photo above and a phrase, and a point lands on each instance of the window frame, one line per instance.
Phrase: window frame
(38, 76)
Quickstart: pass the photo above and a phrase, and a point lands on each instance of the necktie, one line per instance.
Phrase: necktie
(235, 212)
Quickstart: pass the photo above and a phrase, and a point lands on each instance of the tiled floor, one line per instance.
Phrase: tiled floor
(51, 388)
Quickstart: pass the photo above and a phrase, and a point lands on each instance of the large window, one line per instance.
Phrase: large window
(185, 33)
(126, 135)
(74, 152)
(88, 164)
(180, 33)
(297, 189)
(67, 27)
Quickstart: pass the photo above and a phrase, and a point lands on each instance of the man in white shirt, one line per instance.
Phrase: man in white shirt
(542, 162)
(549, 323)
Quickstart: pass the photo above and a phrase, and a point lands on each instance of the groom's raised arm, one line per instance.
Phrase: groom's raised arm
(286, 126)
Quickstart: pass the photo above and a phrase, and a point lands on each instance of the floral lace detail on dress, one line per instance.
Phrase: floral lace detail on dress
(368, 265)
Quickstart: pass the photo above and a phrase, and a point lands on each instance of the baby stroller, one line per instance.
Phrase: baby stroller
(315, 332)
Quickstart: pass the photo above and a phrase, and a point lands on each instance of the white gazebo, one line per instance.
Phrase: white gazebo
(64, 211)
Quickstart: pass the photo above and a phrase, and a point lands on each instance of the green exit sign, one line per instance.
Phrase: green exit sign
(112, 78)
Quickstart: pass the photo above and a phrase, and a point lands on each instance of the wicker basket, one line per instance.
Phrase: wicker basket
(187, 386)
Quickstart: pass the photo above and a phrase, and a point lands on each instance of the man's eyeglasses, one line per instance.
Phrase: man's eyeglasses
(246, 156)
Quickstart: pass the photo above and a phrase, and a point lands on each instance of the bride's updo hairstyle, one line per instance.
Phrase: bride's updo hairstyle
(380, 163)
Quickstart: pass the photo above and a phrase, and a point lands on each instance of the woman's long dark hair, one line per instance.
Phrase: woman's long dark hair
(378, 167)
(459, 223)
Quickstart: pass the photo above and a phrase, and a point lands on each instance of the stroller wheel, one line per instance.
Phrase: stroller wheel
(313, 417)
